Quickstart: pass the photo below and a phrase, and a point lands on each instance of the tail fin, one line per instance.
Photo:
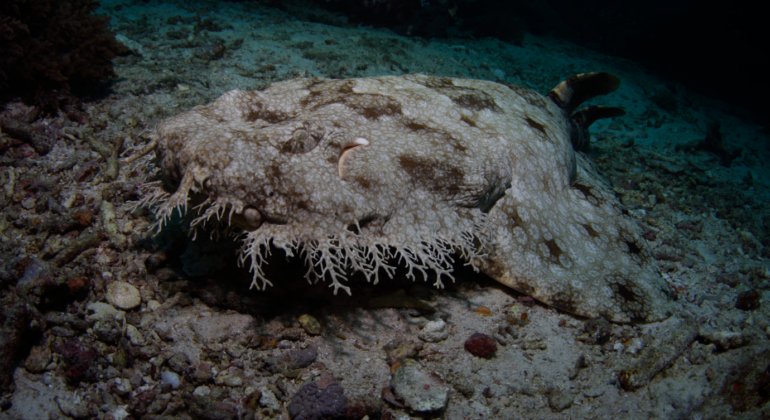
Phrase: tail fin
(569, 94)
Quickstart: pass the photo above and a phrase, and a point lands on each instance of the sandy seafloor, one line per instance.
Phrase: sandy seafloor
(705, 223)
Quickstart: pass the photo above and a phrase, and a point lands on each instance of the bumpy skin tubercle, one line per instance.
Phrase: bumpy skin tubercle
(351, 173)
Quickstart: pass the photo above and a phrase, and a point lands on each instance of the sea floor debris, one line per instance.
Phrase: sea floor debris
(200, 344)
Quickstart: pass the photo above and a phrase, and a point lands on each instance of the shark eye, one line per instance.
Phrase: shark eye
(303, 140)
(300, 136)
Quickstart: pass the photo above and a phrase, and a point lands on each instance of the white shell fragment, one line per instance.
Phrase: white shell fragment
(123, 295)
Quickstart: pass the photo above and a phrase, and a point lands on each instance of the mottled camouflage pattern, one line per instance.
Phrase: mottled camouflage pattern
(351, 173)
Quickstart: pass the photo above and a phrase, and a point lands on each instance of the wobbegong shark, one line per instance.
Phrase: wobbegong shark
(414, 170)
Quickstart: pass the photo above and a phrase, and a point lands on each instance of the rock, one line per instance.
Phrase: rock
(148, 351)
(119, 412)
(38, 359)
(107, 330)
(122, 386)
(123, 295)
(200, 374)
(159, 405)
(399, 349)
(580, 363)
(134, 377)
(310, 324)
(558, 399)
(293, 360)
(680, 397)
(461, 384)
(77, 285)
(668, 345)
(135, 47)
(153, 305)
(318, 400)
(749, 300)
(28, 203)
(102, 311)
(178, 362)
(483, 310)
(140, 400)
(111, 372)
(420, 390)
(206, 409)
(292, 334)
(134, 336)
(480, 345)
(74, 407)
(726, 339)
(236, 350)
(202, 391)
(480, 410)
(230, 377)
(434, 331)
(269, 400)
(303, 358)
(595, 392)
(170, 378)
(79, 358)
(518, 314)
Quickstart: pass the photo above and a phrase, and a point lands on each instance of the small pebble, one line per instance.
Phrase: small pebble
(28, 203)
(434, 331)
(153, 305)
(310, 324)
(517, 314)
(122, 386)
(134, 336)
(236, 350)
(749, 300)
(170, 378)
(559, 400)
(38, 359)
(483, 310)
(421, 390)
(480, 345)
(595, 392)
(318, 400)
(202, 391)
(232, 377)
(727, 339)
(269, 400)
(102, 311)
(400, 349)
(123, 295)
